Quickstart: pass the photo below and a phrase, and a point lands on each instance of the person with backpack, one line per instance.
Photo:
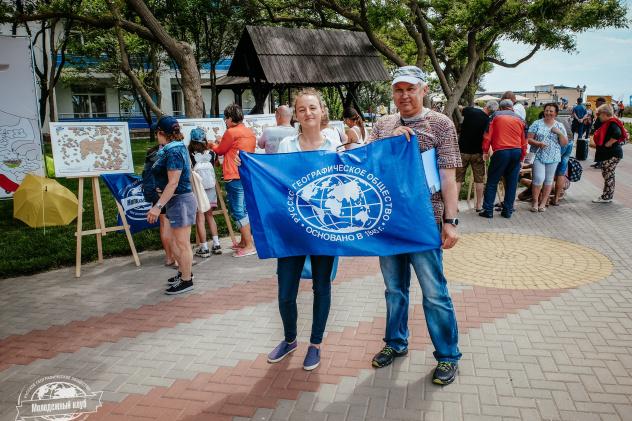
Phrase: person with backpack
(152, 196)
(203, 163)
(172, 173)
(608, 140)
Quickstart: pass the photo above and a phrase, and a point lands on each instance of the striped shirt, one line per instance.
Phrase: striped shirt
(434, 130)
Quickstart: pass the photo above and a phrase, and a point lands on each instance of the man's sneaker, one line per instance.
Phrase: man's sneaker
(445, 373)
(203, 252)
(600, 200)
(282, 351)
(386, 356)
(485, 215)
(312, 359)
(178, 277)
(505, 214)
(180, 287)
(216, 249)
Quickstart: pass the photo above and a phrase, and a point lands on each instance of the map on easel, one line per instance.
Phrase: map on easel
(259, 122)
(82, 149)
(213, 127)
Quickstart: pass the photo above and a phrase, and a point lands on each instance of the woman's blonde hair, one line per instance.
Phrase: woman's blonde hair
(321, 101)
(606, 109)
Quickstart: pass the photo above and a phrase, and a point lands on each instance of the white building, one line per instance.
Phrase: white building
(107, 103)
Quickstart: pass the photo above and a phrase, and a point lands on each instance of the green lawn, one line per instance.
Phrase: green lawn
(27, 250)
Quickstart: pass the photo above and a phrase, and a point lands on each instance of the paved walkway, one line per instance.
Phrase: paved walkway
(543, 303)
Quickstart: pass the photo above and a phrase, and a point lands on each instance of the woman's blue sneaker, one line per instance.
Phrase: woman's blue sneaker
(312, 359)
(282, 351)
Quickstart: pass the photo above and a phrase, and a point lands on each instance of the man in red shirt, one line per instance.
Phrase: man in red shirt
(237, 138)
(506, 135)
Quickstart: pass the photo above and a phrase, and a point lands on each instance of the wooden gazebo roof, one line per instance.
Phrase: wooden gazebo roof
(269, 58)
(307, 57)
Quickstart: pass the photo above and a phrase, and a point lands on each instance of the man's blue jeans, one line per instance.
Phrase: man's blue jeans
(289, 269)
(577, 127)
(437, 304)
(505, 162)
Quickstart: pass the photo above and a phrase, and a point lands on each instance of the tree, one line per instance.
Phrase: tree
(52, 37)
(457, 40)
(212, 27)
(112, 14)
(373, 94)
(101, 54)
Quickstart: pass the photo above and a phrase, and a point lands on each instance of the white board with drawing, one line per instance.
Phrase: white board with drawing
(84, 149)
(20, 138)
(213, 127)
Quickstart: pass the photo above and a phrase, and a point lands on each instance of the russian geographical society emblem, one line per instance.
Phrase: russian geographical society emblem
(340, 203)
(133, 201)
(58, 398)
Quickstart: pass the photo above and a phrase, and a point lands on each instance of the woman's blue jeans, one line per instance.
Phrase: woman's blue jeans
(289, 270)
(437, 304)
(237, 202)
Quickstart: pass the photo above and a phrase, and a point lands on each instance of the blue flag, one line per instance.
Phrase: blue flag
(127, 189)
(369, 201)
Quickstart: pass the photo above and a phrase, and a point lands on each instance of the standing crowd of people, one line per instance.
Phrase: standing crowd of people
(493, 140)
(499, 141)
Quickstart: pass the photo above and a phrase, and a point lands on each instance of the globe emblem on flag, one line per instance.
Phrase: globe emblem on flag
(340, 203)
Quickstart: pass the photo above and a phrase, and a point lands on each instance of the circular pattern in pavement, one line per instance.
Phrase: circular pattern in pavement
(514, 261)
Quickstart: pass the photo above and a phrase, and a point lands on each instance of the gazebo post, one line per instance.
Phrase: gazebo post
(215, 104)
(352, 90)
(238, 96)
(271, 108)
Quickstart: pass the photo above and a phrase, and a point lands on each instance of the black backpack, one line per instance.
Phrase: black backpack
(575, 169)
(149, 182)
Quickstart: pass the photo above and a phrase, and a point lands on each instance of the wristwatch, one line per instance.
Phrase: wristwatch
(159, 206)
(454, 221)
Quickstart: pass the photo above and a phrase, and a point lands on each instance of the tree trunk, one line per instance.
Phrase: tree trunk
(183, 54)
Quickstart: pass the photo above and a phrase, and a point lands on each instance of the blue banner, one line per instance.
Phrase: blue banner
(369, 201)
(127, 189)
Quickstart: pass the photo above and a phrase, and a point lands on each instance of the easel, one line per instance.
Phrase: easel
(100, 229)
(223, 210)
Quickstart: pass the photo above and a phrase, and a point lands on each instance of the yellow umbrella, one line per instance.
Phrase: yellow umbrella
(43, 201)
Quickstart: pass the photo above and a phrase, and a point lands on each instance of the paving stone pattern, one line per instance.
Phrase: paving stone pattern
(560, 352)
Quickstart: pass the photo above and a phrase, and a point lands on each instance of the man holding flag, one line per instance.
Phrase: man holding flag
(434, 130)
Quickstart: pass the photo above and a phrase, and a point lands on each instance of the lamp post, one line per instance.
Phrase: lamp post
(581, 90)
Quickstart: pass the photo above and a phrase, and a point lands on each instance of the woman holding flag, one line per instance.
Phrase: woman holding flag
(309, 110)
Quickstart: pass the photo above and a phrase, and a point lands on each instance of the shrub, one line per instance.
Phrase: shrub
(532, 114)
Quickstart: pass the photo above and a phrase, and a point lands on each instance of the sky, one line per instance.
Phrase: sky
(603, 63)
